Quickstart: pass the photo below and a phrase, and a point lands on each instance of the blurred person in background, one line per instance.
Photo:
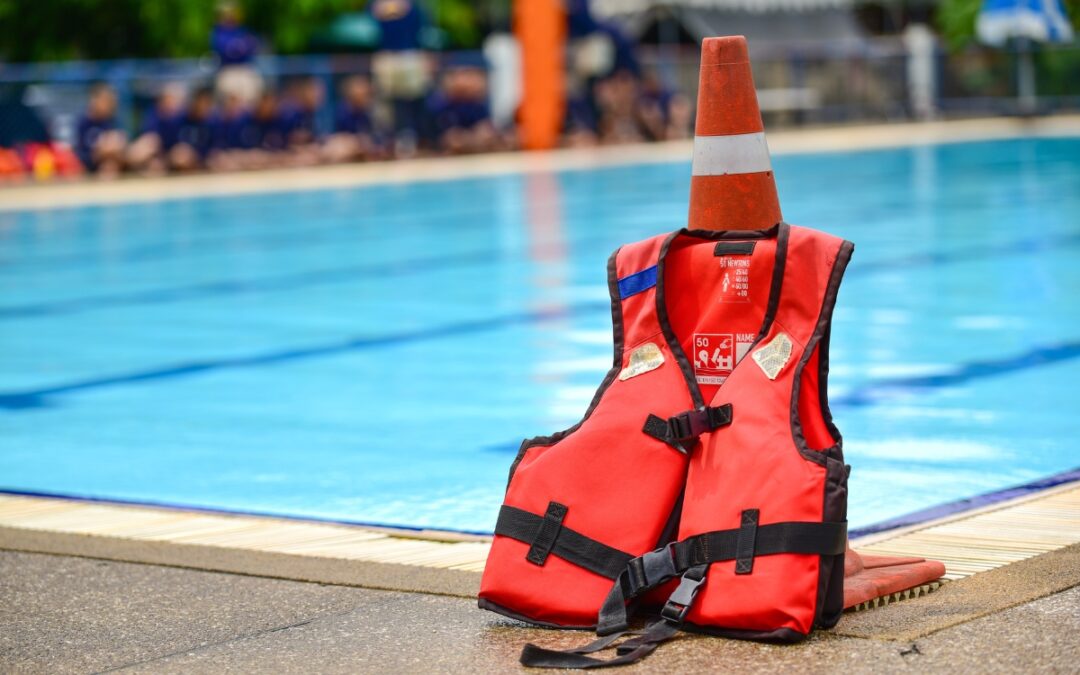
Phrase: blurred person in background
(196, 135)
(617, 99)
(663, 114)
(160, 132)
(235, 47)
(460, 112)
(99, 143)
(598, 51)
(403, 72)
(354, 137)
(235, 136)
(299, 113)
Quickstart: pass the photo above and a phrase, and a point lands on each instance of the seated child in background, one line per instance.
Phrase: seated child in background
(617, 101)
(299, 113)
(100, 145)
(663, 114)
(236, 144)
(160, 132)
(196, 135)
(460, 112)
(354, 136)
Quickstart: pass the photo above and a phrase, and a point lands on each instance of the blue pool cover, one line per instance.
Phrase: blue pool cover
(376, 354)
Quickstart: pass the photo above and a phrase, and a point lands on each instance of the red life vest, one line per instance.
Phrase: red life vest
(708, 453)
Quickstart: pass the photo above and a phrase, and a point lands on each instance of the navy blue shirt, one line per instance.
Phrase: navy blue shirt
(88, 133)
(400, 22)
(200, 134)
(233, 44)
(450, 114)
(237, 133)
(350, 120)
(166, 128)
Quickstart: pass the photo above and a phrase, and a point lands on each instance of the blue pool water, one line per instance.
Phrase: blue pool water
(376, 354)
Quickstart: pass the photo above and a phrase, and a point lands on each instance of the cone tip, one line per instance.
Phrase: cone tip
(726, 49)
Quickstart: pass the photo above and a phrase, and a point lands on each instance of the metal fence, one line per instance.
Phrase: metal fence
(865, 80)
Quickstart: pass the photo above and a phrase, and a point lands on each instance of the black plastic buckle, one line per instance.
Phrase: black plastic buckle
(681, 427)
(651, 570)
(682, 599)
(689, 425)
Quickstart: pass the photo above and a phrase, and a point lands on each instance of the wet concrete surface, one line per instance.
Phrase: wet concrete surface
(63, 614)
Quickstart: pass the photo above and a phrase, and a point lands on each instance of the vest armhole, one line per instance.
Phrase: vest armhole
(812, 401)
(618, 337)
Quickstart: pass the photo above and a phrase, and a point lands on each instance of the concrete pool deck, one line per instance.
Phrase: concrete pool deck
(65, 614)
(69, 602)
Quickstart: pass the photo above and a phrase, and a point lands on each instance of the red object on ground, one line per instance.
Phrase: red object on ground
(873, 576)
(732, 186)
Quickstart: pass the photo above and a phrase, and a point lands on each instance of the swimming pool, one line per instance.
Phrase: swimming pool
(376, 354)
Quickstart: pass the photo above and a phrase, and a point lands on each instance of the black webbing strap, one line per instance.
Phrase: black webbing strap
(744, 542)
(569, 545)
(657, 567)
(630, 651)
(809, 538)
(691, 558)
(680, 431)
(545, 537)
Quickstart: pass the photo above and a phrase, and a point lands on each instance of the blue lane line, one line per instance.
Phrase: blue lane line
(422, 265)
(967, 254)
(225, 288)
(877, 392)
(37, 398)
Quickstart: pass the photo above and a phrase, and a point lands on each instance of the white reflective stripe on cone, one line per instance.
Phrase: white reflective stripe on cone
(738, 153)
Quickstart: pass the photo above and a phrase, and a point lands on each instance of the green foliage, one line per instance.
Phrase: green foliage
(55, 30)
(956, 20)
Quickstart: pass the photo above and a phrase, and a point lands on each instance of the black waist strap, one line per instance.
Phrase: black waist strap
(657, 567)
(690, 558)
(569, 545)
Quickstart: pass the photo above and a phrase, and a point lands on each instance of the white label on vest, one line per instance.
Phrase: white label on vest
(735, 282)
(716, 355)
(774, 356)
(643, 359)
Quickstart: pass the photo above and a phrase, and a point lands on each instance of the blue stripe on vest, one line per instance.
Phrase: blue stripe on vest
(637, 282)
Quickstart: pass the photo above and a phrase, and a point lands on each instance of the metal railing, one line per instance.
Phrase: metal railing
(860, 80)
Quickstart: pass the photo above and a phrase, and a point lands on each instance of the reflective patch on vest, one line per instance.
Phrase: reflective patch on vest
(774, 355)
(643, 359)
(716, 355)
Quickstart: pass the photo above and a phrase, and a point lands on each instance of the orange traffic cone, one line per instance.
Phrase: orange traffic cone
(733, 188)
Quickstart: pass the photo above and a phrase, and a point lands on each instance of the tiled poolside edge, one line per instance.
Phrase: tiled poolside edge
(781, 142)
(1003, 555)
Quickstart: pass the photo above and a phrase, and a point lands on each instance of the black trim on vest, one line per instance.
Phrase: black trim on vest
(618, 335)
(484, 603)
(824, 322)
(571, 546)
(780, 231)
(830, 587)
